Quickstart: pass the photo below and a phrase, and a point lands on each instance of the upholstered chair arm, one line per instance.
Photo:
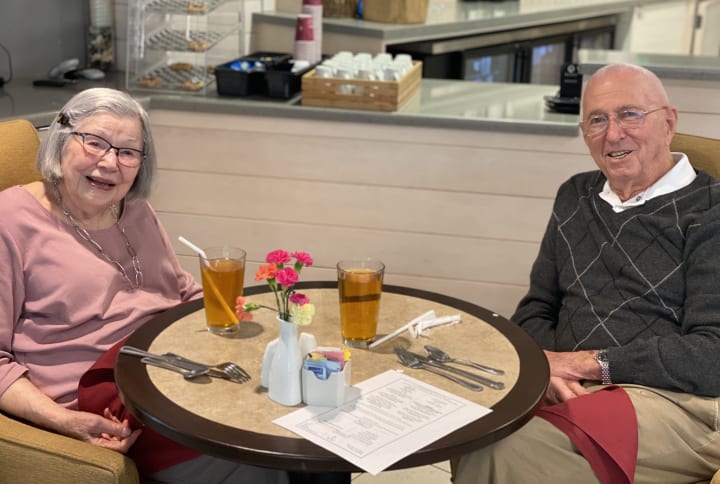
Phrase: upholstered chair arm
(29, 454)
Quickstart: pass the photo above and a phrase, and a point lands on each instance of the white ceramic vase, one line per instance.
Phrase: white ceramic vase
(284, 382)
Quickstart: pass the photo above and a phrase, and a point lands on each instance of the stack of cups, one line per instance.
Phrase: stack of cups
(304, 39)
(381, 67)
(100, 38)
(315, 8)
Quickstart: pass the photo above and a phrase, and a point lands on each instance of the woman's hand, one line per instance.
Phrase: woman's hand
(25, 400)
(106, 431)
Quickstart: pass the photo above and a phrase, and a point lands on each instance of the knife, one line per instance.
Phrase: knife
(187, 374)
(170, 358)
(473, 376)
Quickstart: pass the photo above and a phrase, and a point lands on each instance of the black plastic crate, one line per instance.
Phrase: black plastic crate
(231, 81)
(282, 82)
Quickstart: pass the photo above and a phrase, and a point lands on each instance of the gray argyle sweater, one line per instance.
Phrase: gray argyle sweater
(644, 283)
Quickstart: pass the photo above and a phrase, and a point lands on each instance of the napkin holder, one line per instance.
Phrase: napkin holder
(326, 393)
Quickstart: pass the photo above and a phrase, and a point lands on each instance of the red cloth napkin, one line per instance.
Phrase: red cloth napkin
(152, 452)
(603, 426)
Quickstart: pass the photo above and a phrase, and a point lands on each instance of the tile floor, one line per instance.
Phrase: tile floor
(438, 473)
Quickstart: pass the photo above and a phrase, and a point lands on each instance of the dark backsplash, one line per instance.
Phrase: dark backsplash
(41, 33)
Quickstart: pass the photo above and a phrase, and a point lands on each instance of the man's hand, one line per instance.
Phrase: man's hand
(560, 390)
(567, 372)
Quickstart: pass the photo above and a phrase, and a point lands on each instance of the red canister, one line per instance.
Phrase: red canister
(304, 38)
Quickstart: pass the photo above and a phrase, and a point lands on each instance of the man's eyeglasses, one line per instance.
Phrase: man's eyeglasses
(98, 147)
(626, 119)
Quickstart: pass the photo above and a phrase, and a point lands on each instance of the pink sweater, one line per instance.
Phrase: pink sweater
(62, 305)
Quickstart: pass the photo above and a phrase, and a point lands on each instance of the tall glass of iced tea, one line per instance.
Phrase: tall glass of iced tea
(360, 287)
(223, 272)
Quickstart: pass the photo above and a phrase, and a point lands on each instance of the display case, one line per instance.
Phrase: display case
(174, 45)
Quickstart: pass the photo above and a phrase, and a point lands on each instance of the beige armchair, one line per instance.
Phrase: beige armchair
(704, 153)
(29, 454)
(19, 144)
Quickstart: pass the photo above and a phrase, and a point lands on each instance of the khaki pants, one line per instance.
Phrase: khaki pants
(678, 436)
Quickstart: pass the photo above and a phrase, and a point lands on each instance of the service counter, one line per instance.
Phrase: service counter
(446, 19)
(665, 66)
(439, 104)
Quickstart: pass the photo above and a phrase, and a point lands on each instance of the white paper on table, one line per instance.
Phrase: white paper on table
(393, 416)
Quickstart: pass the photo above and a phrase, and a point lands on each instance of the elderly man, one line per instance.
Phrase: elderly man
(625, 291)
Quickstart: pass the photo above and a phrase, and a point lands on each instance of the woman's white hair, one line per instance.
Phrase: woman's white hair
(83, 105)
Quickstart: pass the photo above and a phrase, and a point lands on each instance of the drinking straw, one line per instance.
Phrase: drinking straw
(211, 283)
(194, 247)
(428, 315)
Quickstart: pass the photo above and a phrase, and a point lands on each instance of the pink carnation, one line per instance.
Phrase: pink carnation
(286, 277)
(303, 258)
(278, 256)
(299, 299)
(241, 311)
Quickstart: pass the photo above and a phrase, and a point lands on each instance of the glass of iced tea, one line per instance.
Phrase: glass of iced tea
(360, 287)
(222, 271)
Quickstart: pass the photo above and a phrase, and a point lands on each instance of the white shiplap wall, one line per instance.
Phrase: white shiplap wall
(457, 212)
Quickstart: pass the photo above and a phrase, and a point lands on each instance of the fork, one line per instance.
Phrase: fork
(497, 385)
(231, 371)
(411, 361)
(228, 370)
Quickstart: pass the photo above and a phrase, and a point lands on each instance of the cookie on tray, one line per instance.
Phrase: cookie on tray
(197, 7)
(181, 66)
(198, 45)
(150, 81)
(192, 84)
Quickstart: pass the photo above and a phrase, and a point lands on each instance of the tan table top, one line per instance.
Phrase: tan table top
(235, 421)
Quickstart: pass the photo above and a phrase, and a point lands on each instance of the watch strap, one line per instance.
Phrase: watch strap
(602, 358)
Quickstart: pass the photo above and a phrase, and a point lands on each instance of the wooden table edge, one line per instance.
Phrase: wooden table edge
(156, 411)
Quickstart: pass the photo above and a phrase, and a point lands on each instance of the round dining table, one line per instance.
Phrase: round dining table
(235, 421)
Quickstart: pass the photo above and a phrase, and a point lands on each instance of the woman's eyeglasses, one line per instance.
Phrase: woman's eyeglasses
(626, 119)
(98, 147)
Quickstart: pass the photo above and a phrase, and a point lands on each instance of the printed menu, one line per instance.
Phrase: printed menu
(389, 417)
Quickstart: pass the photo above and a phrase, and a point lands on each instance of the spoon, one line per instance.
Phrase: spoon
(411, 361)
(439, 355)
(497, 385)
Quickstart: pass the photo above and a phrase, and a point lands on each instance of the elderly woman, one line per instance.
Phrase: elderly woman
(86, 262)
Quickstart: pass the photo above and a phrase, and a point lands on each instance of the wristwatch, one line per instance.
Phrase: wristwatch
(602, 358)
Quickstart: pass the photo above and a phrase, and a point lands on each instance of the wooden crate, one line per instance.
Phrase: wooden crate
(361, 94)
(396, 11)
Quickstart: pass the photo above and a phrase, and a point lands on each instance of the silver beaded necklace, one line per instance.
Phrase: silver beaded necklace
(86, 236)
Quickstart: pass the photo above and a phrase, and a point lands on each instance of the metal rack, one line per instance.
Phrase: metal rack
(173, 45)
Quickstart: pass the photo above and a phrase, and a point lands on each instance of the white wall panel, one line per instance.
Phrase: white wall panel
(459, 212)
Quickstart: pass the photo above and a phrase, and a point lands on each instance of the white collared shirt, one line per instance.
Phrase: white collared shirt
(680, 176)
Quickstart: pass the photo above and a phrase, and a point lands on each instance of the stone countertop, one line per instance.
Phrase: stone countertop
(449, 104)
(455, 18)
(666, 66)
